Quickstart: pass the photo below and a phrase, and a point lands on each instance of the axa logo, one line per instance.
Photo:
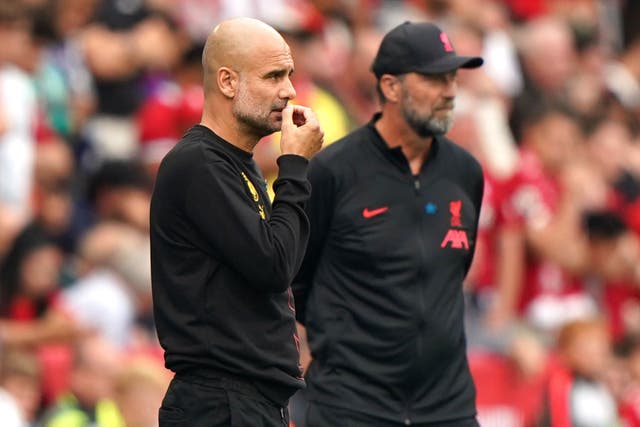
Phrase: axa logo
(455, 238)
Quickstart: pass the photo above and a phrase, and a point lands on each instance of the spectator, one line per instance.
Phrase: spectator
(125, 41)
(18, 112)
(577, 393)
(116, 291)
(53, 206)
(172, 107)
(112, 292)
(613, 252)
(548, 59)
(546, 199)
(89, 398)
(29, 276)
(139, 389)
(120, 190)
(64, 82)
(29, 288)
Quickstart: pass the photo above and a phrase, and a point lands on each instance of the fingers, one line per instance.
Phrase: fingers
(309, 116)
(287, 115)
(301, 131)
(300, 115)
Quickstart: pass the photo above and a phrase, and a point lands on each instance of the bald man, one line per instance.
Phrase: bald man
(223, 256)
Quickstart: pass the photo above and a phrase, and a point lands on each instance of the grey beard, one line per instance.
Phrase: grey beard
(256, 126)
(429, 127)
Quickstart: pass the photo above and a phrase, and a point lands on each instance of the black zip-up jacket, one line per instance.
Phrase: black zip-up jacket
(380, 289)
(223, 260)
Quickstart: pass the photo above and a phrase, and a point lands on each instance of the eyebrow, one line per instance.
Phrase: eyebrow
(279, 73)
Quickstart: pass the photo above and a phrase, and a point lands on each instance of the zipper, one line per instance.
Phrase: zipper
(420, 291)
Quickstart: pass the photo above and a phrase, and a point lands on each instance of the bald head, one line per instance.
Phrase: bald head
(235, 43)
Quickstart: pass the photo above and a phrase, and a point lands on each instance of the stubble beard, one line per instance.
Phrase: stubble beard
(425, 126)
(251, 118)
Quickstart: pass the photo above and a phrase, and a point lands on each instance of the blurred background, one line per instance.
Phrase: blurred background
(93, 93)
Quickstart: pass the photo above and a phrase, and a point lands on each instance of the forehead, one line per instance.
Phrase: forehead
(272, 55)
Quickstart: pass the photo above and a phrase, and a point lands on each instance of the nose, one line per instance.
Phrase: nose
(287, 91)
(450, 88)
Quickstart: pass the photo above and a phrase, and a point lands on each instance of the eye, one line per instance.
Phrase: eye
(444, 78)
(276, 75)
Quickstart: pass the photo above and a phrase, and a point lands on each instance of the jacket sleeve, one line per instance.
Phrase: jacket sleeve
(266, 252)
(320, 210)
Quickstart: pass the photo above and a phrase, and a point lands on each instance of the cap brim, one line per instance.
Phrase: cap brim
(451, 63)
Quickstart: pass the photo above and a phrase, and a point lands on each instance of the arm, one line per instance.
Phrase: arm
(267, 252)
(305, 352)
(509, 275)
(560, 238)
(55, 326)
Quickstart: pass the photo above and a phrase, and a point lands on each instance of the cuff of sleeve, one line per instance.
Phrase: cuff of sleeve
(292, 166)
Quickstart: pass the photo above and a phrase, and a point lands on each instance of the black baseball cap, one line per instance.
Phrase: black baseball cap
(419, 47)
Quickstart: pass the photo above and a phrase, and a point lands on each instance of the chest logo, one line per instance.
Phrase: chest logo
(370, 213)
(454, 208)
(457, 239)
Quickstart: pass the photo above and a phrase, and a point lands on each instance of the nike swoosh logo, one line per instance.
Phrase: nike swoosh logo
(370, 213)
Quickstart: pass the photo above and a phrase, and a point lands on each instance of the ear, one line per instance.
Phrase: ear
(391, 87)
(227, 80)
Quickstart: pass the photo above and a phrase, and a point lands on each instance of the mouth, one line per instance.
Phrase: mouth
(278, 109)
(447, 107)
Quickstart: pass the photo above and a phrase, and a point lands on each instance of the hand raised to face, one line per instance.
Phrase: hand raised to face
(301, 132)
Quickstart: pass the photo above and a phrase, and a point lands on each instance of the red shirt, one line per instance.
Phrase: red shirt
(531, 201)
(621, 302)
(169, 112)
(504, 397)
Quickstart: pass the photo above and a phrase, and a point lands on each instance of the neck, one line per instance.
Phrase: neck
(397, 133)
(227, 128)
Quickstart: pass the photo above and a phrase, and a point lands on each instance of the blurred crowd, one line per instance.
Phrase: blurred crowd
(93, 93)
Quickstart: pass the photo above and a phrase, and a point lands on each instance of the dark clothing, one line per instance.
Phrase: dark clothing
(121, 96)
(380, 290)
(319, 415)
(221, 402)
(222, 262)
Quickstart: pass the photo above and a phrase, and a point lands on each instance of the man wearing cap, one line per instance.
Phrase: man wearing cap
(394, 212)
